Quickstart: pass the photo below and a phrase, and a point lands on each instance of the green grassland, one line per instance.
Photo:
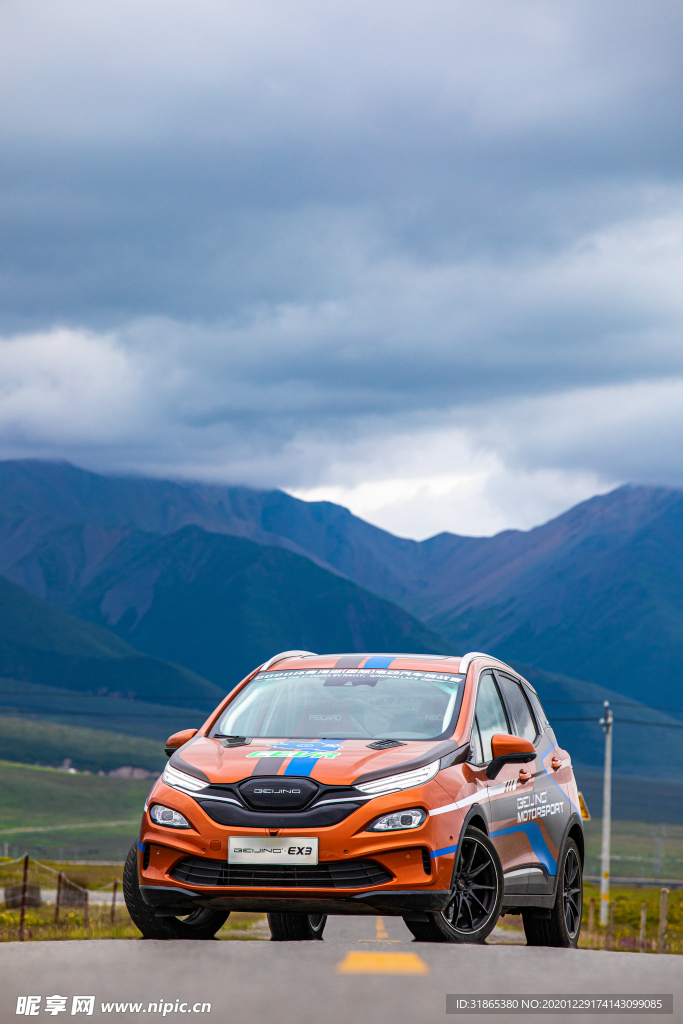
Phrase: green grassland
(639, 849)
(47, 743)
(37, 798)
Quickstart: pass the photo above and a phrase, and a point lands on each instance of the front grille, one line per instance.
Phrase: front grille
(347, 874)
(244, 817)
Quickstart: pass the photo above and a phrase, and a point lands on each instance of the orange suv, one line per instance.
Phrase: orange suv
(425, 787)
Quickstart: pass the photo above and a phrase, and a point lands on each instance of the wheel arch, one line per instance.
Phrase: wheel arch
(475, 818)
(573, 830)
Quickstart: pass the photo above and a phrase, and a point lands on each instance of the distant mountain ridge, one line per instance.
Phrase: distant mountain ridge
(597, 593)
(41, 644)
(221, 605)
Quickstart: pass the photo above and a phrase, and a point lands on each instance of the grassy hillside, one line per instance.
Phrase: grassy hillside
(98, 711)
(639, 849)
(220, 605)
(33, 796)
(40, 644)
(42, 798)
(46, 743)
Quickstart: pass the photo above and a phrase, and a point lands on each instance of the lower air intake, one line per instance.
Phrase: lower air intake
(348, 874)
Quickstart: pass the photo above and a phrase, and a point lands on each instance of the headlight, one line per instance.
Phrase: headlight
(180, 780)
(398, 820)
(395, 783)
(161, 815)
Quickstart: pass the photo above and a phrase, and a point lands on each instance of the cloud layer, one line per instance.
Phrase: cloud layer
(423, 259)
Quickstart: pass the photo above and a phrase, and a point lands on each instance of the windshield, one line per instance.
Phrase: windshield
(353, 703)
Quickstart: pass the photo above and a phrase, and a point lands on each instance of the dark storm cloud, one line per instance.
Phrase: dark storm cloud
(233, 234)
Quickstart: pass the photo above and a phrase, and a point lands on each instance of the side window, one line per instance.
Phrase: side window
(518, 705)
(489, 715)
(536, 705)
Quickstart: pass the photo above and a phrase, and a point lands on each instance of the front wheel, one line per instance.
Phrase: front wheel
(202, 923)
(296, 927)
(476, 896)
(563, 925)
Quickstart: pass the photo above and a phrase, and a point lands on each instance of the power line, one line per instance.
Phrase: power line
(98, 714)
(91, 696)
(625, 721)
(617, 703)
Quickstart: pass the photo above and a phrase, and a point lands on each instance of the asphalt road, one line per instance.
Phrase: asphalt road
(339, 980)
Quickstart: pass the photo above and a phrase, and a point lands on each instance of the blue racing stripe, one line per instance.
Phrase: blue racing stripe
(537, 840)
(379, 661)
(301, 766)
(443, 850)
(141, 848)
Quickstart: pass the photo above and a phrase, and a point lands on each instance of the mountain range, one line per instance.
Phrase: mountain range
(597, 593)
(209, 580)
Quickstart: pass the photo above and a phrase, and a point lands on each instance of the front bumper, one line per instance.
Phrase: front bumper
(415, 871)
(395, 902)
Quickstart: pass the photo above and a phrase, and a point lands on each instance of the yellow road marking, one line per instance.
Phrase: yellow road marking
(382, 963)
(382, 933)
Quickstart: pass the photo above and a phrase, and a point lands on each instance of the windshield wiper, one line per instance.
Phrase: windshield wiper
(232, 741)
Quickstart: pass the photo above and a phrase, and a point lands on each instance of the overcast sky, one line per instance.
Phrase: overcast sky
(421, 258)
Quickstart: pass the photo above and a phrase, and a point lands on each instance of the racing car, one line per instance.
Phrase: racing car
(424, 787)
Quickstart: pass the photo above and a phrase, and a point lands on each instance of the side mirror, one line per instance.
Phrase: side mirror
(178, 739)
(509, 750)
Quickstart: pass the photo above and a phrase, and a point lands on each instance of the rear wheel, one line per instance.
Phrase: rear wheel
(296, 927)
(202, 923)
(562, 926)
(476, 896)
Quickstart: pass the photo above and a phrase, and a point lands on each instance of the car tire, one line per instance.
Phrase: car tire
(296, 927)
(562, 926)
(476, 895)
(202, 923)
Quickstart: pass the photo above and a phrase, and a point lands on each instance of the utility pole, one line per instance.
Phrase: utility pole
(606, 724)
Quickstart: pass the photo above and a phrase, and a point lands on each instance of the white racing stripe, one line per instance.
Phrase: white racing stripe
(466, 801)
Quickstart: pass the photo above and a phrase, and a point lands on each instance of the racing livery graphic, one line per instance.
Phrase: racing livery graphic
(426, 787)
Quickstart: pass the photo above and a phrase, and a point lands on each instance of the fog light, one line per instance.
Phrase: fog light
(161, 815)
(398, 820)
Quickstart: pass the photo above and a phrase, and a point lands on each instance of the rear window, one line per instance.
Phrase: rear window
(353, 703)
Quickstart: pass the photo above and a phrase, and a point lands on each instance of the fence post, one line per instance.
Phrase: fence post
(85, 911)
(643, 923)
(591, 915)
(113, 900)
(610, 926)
(24, 891)
(663, 921)
(58, 896)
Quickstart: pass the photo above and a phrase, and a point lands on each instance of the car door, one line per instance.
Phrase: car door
(490, 718)
(540, 817)
(493, 715)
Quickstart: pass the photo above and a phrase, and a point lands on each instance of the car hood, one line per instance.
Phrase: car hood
(331, 762)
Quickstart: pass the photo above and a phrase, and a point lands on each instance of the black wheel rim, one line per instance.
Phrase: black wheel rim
(316, 921)
(572, 893)
(475, 890)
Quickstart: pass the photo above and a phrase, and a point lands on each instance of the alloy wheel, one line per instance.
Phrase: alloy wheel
(571, 893)
(475, 888)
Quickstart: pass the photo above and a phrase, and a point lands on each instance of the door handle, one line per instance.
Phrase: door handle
(555, 764)
(524, 775)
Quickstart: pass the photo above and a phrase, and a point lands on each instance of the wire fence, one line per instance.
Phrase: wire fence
(29, 885)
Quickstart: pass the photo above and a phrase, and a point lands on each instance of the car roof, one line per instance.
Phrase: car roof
(408, 662)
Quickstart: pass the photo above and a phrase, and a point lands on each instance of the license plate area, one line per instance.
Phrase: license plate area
(273, 850)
